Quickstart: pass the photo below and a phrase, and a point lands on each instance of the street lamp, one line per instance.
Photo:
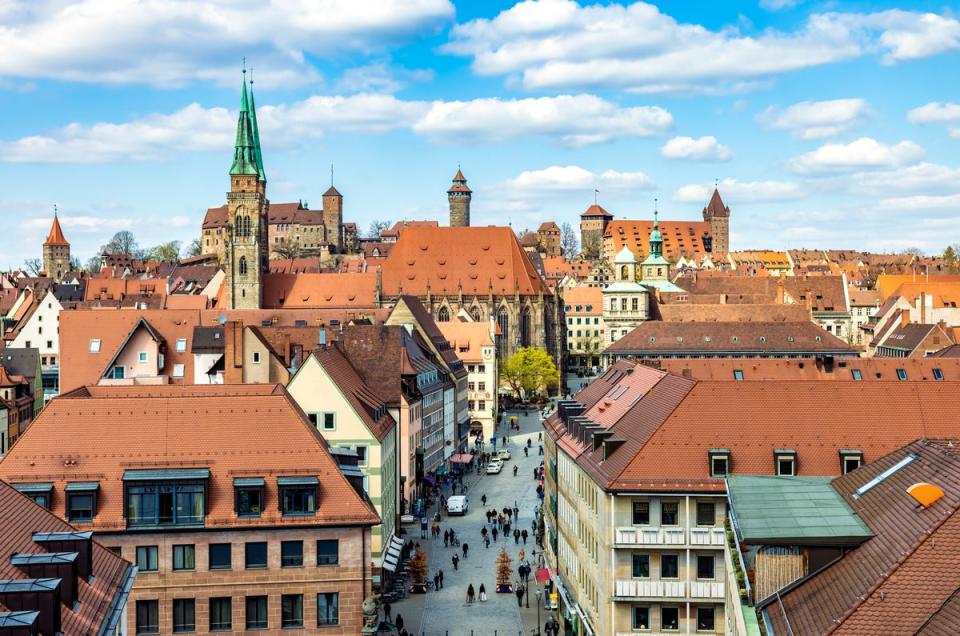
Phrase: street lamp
(538, 611)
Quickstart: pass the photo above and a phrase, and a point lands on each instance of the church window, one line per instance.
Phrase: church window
(525, 328)
(475, 314)
(503, 321)
(243, 266)
(443, 315)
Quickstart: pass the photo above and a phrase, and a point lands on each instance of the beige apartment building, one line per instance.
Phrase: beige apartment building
(584, 312)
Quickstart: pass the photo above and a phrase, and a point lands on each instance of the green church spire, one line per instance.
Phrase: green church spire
(256, 132)
(244, 152)
(656, 239)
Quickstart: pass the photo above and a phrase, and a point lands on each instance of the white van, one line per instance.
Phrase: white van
(457, 505)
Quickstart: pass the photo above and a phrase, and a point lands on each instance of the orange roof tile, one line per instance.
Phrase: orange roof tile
(585, 297)
(55, 237)
(889, 283)
(320, 290)
(118, 288)
(841, 370)
(467, 335)
(233, 430)
(477, 260)
(680, 238)
(596, 210)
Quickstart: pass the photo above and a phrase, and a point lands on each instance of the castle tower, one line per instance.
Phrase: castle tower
(333, 217)
(593, 224)
(247, 205)
(718, 216)
(459, 196)
(56, 251)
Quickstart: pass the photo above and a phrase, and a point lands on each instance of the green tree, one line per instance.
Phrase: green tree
(529, 371)
(169, 252)
(950, 259)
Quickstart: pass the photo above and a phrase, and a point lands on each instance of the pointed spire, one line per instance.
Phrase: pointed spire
(244, 152)
(656, 239)
(55, 237)
(256, 132)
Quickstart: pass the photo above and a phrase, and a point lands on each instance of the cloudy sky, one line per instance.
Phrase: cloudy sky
(827, 124)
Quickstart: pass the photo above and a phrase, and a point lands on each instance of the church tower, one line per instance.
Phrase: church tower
(718, 216)
(56, 251)
(459, 197)
(247, 205)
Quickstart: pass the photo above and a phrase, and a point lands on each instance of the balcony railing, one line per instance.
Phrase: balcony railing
(641, 588)
(650, 536)
(707, 589)
(707, 536)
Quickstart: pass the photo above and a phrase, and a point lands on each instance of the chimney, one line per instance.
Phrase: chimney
(780, 290)
(923, 308)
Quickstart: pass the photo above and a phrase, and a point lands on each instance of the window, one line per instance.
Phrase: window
(856, 374)
(256, 357)
(147, 558)
(641, 618)
(291, 554)
(142, 357)
(94, 345)
(669, 566)
(249, 500)
(706, 513)
(298, 500)
(705, 619)
(786, 461)
(719, 462)
(937, 373)
(328, 551)
(902, 374)
(148, 617)
(669, 513)
(184, 557)
(329, 421)
(165, 503)
(641, 513)
(850, 460)
(291, 608)
(670, 618)
(481, 368)
(705, 566)
(80, 507)
(178, 370)
(738, 374)
(220, 556)
(221, 614)
(243, 266)
(328, 608)
(181, 345)
(482, 386)
(118, 372)
(184, 615)
(641, 566)
(256, 612)
(50, 346)
(481, 404)
(255, 555)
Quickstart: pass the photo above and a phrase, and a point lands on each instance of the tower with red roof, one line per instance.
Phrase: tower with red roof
(56, 251)
(459, 196)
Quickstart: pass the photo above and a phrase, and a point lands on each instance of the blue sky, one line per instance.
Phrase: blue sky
(827, 124)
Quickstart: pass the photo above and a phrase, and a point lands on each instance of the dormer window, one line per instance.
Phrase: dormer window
(248, 496)
(40, 493)
(298, 495)
(81, 500)
(850, 459)
(166, 497)
(719, 462)
(785, 460)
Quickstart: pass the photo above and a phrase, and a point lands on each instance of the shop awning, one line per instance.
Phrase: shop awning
(542, 575)
(392, 554)
(461, 458)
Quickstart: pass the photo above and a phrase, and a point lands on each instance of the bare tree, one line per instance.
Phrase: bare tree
(33, 265)
(591, 247)
(569, 244)
(123, 242)
(287, 249)
(377, 226)
(193, 248)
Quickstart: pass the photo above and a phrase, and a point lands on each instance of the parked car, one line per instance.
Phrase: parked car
(503, 454)
(457, 505)
(494, 468)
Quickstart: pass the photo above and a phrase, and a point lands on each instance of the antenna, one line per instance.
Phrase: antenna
(595, 193)
(54, 209)
(655, 203)
(331, 175)
(251, 77)
(244, 64)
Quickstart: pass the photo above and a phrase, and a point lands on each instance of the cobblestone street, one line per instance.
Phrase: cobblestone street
(445, 612)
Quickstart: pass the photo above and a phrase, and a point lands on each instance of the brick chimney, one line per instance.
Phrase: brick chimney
(233, 352)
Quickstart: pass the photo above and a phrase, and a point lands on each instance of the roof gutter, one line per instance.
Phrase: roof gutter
(118, 603)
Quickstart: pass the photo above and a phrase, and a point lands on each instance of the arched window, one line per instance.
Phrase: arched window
(526, 335)
(443, 315)
(624, 272)
(503, 322)
(243, 226)
(475, 314)
(242, 267)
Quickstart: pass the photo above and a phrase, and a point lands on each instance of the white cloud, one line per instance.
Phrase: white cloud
(816, 120)
(174, 42)
(740, 192)
(379, 77)
(702, 149)
(935, 113)
(922, 178)
(574, 120)
(924, 202)
(565, 178)
(779, 5)
(864, 153)
(559, 43)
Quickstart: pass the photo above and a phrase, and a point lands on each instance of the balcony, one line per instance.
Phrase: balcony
(707, 536)
(642, 588)
(708, 589)
(632, 536)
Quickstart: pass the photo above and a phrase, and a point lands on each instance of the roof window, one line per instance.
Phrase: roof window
(862, 490)
(937, 373)
(901, 374)
(855, 373)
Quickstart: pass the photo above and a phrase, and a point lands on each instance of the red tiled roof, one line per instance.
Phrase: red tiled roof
(399, 226)
(477, 260)
(22, 518)
(596, 210)
(841, 370)
(277, 213)
(320, 290)
(583, 296)
(362, 397)
(680, 238)
(55, 237)
(233, 430)
(716, 208)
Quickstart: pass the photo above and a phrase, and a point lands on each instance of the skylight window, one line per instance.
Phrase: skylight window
(862, 490)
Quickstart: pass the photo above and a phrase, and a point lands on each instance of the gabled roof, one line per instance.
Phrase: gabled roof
(478, 260)
(234, 430)
(100, 596)
(432, 333)
(55, 237)
(140, 324)
(21, 361)
(840, 370)
(364, 399)
(908, 337)
(467, 338)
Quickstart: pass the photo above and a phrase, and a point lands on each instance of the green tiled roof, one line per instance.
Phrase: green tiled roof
(793, 510)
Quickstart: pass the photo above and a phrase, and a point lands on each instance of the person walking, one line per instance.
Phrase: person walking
(526, 452)
(486, 542)
(494, 533)
(456, 561)
(387, 611)
(523, 534)
(516, 512)
(471, 595)
(446, 538)
(436, 582)
(465, 548)
(399, 622)
(516, 537)
(483, 594)
(540, 436)
(440, 573)
(483, 500)
(515, 471)
(519, 594)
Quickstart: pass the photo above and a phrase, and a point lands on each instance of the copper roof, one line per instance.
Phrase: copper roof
(55, 237)
(233, 430)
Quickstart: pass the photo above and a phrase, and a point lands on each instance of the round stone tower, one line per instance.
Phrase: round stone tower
(459, 197)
